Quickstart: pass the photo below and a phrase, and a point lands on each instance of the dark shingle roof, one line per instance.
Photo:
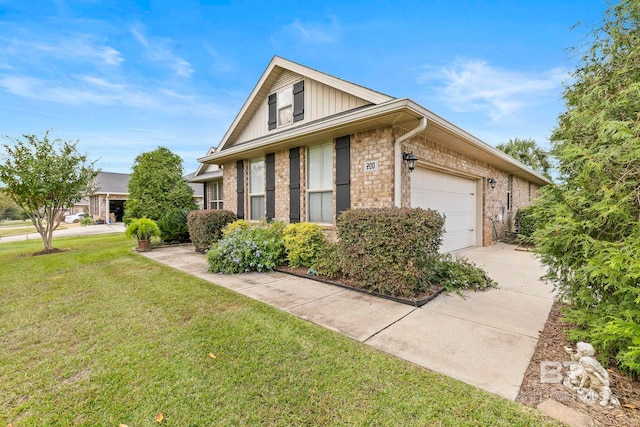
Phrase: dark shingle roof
(118, 183)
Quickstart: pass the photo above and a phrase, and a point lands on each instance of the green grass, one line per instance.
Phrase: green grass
(99, 336)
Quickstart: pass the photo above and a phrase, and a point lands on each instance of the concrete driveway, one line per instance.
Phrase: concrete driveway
(485, 339)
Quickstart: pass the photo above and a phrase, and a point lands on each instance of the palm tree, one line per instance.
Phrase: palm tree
(526, 151)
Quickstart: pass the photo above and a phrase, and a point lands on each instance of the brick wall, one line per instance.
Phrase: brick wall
(229, 186)
(376, 188)
(282, 186)
(372, 189)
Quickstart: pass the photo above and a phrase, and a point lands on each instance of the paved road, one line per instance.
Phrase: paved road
(70, 230)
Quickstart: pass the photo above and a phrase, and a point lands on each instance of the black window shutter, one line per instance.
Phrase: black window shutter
(240, 189)
(270, 185)
(298, 101)
(272, 111)
(206, 195)
(343, 174)
(294, 185)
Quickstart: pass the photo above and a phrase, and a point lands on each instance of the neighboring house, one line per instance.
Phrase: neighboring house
(210, 176)
(307, 146)
(110, 193)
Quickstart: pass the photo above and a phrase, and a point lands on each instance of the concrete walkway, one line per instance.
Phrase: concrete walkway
(485, 339)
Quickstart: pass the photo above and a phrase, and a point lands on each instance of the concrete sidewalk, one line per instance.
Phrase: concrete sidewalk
(485, 339)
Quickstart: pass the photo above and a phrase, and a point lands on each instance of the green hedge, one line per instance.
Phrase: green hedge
(205, 227)
(392, 251)
(525, 223)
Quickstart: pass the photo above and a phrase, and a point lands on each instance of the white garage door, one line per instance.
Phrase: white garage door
(452, 196)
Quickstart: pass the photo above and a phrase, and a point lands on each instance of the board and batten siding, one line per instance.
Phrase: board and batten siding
(320, 101)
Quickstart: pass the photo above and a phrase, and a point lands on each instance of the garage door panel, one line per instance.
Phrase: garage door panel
(452, 196)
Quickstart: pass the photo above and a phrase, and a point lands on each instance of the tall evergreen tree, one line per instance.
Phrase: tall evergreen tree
(156, 186)
(590, 234)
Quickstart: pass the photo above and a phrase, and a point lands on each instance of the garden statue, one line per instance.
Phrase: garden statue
(575, 368)
(588, 378)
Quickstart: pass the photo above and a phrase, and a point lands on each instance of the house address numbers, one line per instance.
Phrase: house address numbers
(370, 165)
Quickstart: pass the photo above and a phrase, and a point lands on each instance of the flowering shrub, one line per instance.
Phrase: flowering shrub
(259, 248)
(303, 241)
(233, 226)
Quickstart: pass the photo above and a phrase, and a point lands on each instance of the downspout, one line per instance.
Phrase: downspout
(397, 154)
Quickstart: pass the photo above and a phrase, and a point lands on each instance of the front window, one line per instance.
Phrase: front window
(256, 189)
(320, 183)
(285, 107)
(215, 195)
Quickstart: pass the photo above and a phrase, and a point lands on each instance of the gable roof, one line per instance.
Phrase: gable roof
(275, 68)
(111, 182)
(383, 110)
(118, 183)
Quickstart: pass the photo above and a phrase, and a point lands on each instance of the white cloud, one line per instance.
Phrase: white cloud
(474, 85)
(79, 47)
(90, 90)
(314, 32)
(157, 50)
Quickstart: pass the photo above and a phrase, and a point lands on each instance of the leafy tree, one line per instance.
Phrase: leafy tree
(589, 224)
(156, 186)
(527, 152)
(44, 178)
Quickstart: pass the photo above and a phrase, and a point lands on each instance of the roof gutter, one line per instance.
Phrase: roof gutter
(397, 157)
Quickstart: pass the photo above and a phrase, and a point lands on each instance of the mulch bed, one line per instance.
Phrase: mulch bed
(418, 300)
(550, 347)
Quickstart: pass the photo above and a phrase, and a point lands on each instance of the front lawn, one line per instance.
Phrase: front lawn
(100, 336)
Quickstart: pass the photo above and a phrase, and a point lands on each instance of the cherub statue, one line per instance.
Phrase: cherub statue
(576, 370)
(594, 384)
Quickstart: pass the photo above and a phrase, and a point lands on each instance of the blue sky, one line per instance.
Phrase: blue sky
(124, 77)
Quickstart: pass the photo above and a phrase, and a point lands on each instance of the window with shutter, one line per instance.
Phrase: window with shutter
(256, 189)
(320, 183)
(286, 106)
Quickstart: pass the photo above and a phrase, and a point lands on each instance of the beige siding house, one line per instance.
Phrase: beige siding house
(307, 146)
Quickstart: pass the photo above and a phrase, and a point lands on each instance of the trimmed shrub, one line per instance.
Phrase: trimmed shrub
(457, 273)
(392, 251)
(303, 242)
(87, 220)
(173, 226)
(259, 248)
(205, 227)
(526, 223)
(232, 226)
(327, 262)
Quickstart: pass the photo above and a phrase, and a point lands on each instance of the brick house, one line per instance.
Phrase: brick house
(110, 192)
(307, 146)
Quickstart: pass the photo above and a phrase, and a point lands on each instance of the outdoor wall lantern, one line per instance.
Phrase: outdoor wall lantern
(492, 182)
(410, 158)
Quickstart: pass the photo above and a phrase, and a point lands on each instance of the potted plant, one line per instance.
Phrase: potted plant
(143, 229)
